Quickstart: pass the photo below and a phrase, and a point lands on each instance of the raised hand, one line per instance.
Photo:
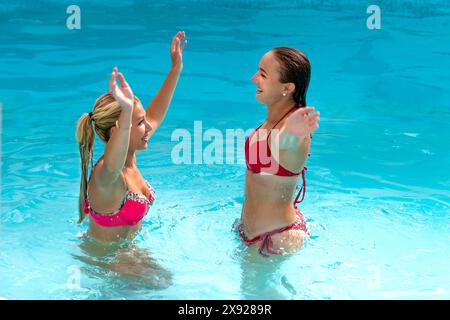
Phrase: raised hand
(302, 122)
(123, 94)
(176, 50)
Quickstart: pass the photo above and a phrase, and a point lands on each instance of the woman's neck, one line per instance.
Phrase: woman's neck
(277, 110)
(130, 161)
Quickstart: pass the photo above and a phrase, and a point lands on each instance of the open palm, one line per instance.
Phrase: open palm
(176, 49)
(303, 122)
(123, 94)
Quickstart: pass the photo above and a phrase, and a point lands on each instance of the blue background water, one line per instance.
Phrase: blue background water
(378, 178)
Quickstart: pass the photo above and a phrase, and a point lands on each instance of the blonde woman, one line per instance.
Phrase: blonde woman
(115, 196)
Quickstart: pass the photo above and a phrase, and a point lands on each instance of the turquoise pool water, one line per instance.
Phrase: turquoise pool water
(378, 200)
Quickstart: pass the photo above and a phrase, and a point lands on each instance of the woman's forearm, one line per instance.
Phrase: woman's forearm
(157, 109)
(117, 147)
(290, 141)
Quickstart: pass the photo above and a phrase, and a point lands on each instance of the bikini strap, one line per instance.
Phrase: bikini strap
(249, 137)
(284, 116)
(267, 243)
(302, 189)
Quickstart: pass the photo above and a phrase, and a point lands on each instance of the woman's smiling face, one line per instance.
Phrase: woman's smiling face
(141, 128)
(268, 86)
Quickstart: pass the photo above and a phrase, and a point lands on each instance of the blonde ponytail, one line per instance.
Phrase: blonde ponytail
(85, 140)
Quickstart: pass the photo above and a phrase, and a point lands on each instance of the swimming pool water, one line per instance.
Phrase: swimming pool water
(378, 177)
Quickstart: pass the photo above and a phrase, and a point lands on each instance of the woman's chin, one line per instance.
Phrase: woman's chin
(260, 100)
(143, 146)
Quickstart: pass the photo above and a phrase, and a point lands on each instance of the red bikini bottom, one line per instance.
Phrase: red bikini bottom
(266, 238)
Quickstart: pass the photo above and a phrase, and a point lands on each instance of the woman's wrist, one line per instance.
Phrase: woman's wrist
(123, 127)
(124, 121)
(176, 68)
(126, 110)
(290, 140)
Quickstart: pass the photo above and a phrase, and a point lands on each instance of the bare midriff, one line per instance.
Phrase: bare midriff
(108, 234)
(268, 203)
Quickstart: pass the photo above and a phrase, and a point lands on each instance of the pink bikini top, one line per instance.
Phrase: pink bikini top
(259, 158)
(133, 209)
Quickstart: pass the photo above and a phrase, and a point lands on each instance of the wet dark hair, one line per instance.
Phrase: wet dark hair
(295, 68)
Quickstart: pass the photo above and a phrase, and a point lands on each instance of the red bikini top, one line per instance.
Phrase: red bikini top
(259, 158)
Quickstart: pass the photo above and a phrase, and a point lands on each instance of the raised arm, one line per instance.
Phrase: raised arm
(298, 126)
(117, 146)
(157, 109)
(293, 140)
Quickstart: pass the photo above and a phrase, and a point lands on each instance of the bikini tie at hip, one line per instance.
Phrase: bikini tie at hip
(267, 244)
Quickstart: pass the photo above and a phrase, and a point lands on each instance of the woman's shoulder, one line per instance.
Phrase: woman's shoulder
(97, 170)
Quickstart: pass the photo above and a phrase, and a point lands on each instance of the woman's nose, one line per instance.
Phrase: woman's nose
(149, 126)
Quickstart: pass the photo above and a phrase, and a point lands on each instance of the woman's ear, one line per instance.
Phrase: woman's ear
(289, 88)
(112, 130)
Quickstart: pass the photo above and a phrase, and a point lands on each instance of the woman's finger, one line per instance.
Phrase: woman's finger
(175, 45)
(311, 123)
(123, 82)
(314, 122)
(112, 78)
(178, 37)
(184, 43)
(309, 117)
(314, 118)
(305, 111)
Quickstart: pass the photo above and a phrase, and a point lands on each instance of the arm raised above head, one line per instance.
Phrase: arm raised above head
(157, 109)
(117, 146)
